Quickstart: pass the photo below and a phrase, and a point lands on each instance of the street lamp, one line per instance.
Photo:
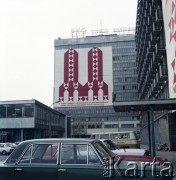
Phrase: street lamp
(54, 103)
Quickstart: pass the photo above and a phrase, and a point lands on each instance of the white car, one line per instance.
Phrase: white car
(5, 149)
(124, 151)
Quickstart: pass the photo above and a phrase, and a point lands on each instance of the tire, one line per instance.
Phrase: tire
(4, 152)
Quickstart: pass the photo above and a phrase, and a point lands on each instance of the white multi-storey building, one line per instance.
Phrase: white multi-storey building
(89, 74)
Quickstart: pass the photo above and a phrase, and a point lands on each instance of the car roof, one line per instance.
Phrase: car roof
(55, 140)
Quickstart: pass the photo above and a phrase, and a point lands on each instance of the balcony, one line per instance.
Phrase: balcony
(160, 49)
(156, 30)
(158, 16)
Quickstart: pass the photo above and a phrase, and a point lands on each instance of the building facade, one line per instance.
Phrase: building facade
(155, 45)
(92, 72)
(29, 119)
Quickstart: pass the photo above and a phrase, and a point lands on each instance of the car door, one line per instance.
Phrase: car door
(79, 161)
(38, 161)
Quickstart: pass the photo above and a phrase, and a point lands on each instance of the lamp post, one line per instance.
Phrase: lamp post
(54, 103)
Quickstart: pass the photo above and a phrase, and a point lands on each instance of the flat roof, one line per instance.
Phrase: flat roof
(144, 105)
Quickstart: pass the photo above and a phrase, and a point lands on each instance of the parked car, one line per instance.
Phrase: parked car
(17, 142)
(124, 151)
(12, 145)
(5, 149)
(68, 159)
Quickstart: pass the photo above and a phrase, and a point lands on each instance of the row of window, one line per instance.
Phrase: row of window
(123, 65)
(157, 80)
(106, 126)
(123, 44)
(124, 50)
(49, 154)
(44, 116)
(126, 94)
(88, 110)
(125, 79)
(127, 98)
(16, 110)
(124, 58)
(125, 72)
(125, 87)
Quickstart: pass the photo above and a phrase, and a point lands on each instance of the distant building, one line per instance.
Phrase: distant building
(89, 74)
(156, 63)
(28, 119)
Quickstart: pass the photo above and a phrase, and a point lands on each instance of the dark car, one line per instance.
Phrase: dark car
(68, 159)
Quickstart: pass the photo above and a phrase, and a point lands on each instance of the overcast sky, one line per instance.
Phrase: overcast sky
(27, 32)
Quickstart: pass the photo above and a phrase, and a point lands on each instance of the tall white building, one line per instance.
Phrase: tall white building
(89, 74)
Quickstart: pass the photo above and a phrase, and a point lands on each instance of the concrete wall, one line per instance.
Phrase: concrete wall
(16, 123)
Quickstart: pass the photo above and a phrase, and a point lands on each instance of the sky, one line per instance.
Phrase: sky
(27, 32)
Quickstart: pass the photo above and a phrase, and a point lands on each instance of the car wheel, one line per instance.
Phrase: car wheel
(4, 152)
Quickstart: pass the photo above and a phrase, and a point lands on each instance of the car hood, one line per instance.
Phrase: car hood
(138, 152)
(143, 158)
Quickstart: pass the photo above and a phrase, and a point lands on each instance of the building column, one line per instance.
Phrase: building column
(21, 134)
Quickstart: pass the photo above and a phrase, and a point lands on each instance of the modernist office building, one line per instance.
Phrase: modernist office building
(28, 119)
(90, 73)
(156, 63)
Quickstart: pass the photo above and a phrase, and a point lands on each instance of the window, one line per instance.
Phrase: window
(16, 110)
(111, 126)
(92, 157)
(104, 136)
(67, 154)
(114, 136)
(78, 154)
(40, 153)
(127, 125)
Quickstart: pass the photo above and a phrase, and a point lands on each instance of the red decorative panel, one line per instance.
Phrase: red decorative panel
(94, 90)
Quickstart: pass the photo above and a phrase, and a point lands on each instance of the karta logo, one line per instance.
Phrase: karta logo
(94, 90)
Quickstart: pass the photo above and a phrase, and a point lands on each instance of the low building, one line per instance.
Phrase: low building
(27, 119)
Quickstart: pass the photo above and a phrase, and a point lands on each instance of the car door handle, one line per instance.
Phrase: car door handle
(61, 170)
(18, 169)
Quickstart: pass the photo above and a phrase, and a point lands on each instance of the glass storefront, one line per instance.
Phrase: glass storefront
(22, 120)
(16, 110)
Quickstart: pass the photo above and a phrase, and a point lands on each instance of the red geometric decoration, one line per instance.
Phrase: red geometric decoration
(95, 82)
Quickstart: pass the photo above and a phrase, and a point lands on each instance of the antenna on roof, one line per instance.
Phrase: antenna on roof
(124, 30)
(99, 32)
(78, 32)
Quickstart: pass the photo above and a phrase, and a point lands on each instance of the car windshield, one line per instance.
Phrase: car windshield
(111, 145)
(103, 151)
(9, 144)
